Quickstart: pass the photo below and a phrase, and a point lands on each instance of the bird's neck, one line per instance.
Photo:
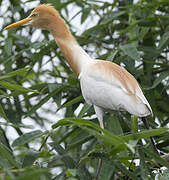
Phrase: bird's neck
(72, 51)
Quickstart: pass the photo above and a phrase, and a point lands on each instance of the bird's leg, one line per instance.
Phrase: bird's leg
(99, 114)
(151, 139)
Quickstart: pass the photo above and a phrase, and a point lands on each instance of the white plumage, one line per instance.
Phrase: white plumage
(103, 90)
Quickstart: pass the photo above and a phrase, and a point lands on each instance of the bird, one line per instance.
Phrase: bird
(104, 84)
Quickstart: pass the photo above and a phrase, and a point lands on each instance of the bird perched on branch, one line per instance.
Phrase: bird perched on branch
(104, 84)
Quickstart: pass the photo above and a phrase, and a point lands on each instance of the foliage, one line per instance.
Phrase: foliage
(64, 140)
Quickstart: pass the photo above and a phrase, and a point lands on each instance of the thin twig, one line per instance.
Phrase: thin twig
(44, 142)
(151, 139)
(98, 169)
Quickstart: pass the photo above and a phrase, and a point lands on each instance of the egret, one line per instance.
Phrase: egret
(105, 85)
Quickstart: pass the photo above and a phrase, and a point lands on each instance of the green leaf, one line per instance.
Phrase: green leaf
(30, 157)
(4, 163)
(27, 137)
(45, 99)
(70, 103)
(32, 174)
(85, 14)
(8, 46)
(107, 170)
(24, 39)
(14, 73)
(81, 137)
(156, 157)
(112, 54)
(71, 172)
(2, 113)
(143, 164)
(38, 45)
(134, 123)
(164, 40)
(164, 175)
(113, 121)
(143, 32)
(16, 87)
(147, 22)
(7, 154)
(93, 30)
(131, 51)
(145, 134)
(158, 80)
(112, 16)
(131, 144)
(84, 110)
(96, 131)
(122, 168)
(68, 161)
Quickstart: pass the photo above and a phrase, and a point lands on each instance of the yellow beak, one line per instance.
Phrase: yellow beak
(19, 23)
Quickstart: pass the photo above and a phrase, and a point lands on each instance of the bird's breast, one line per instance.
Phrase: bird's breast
(100, 93)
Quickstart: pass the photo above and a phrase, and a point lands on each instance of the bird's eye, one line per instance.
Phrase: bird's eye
(34, 15)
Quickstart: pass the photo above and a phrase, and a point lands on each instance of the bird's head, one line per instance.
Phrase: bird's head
(41, 17)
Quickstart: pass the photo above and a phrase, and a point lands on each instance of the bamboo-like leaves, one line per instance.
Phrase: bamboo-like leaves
(7, 154)
(164, 40)
(15, 87)
(27, 137)
(107, 136)
(131, 51)
(33, 72)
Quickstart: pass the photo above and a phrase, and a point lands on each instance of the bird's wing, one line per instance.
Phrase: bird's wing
(114, 74)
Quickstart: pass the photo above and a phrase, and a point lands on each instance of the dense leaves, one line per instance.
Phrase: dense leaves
(47, 131)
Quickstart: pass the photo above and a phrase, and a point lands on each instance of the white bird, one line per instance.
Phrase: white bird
(104, 84)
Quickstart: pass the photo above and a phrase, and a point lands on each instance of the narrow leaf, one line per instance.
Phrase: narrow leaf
(27, 137)
(96, 131)
(112, 55)
(143, 165)
(30, 157)
(107, 170)
(70, 103)
(32, 174)
(8, 46)
(145, 134)
(2, 113)
(156, 157)
(85, 109)
(7, 154)
(85, 14)
(134, 123)
(164, 40)
(112, 16)
(162, 76)
(68, 161)
(122, 168)
(131, 51)
(111, 122)
(16, 87)
(45, 99)
(14, 73)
